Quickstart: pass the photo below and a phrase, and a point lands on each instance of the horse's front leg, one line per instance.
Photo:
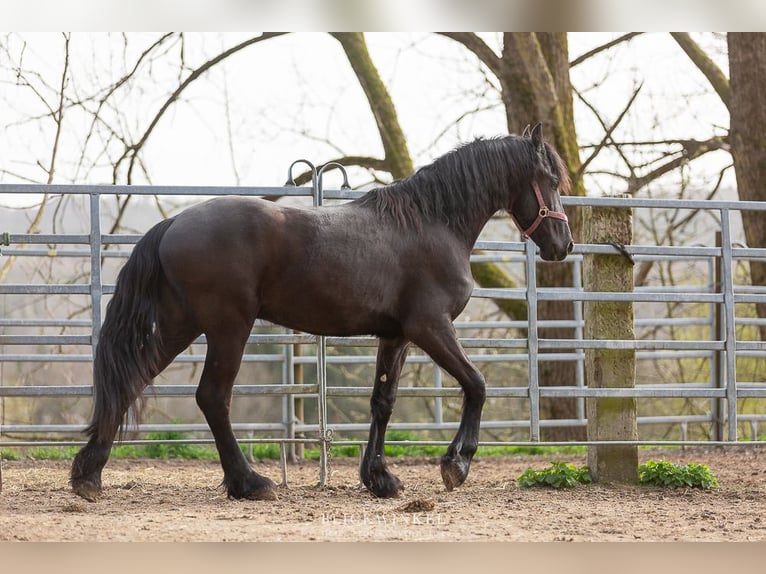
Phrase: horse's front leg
(440, 342)
(374, 470)
(214, 399)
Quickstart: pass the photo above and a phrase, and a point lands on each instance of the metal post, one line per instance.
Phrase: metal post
(288, 401)
(730, 343)
(298, 403)
(325, 433)
(96, 289)
(438, 406)
(321, 363)
(321, 359)
(578, 317)
(717, 334)
(532, 343)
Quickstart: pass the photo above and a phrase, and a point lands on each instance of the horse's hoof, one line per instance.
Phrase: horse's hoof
(263, 493)
(388, 490)
(454, 471)
(253, 487)
(87, 490)
(384, 485)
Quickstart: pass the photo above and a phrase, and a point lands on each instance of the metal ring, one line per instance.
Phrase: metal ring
(544, 212)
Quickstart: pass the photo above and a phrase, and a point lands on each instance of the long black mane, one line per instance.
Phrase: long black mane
(477, 177)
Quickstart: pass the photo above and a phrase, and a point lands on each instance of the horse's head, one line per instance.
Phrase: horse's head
(537, 210)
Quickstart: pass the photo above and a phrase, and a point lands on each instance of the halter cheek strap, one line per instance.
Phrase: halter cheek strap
(541, 214)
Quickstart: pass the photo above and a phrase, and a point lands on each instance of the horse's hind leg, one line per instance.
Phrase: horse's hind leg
(374, 470)
(85, 478)
(440, 342)
(222, 363)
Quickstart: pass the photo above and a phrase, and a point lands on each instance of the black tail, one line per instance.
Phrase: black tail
(129, 342)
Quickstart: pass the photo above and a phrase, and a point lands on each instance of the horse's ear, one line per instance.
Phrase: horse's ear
(537, 136)
(526, 133)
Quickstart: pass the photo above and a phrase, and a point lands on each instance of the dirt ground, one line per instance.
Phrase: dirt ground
(154, 500)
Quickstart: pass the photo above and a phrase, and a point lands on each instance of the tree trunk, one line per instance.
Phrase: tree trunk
(747, 69)
(533, 72)
(398, 160)
(537, 88)
(398, 157)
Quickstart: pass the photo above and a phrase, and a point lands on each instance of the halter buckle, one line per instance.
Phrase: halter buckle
(544, 211)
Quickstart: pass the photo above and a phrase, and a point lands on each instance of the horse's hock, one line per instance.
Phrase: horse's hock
(610, 418)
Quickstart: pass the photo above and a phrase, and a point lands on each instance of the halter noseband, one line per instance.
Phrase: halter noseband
(541, 214)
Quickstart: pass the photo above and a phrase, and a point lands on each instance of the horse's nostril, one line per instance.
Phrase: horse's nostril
(570, 247)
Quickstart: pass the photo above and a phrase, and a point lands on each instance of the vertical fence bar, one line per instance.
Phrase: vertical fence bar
(96, 289)
(532, 343)
(578, 317)
(324, 433)
(299, 410)
(288, 401)
(438, 405)
(321, 345)
(730, 343)
(717, 334)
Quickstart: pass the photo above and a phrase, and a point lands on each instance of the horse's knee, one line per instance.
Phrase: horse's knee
(210, 399)
(475, 389)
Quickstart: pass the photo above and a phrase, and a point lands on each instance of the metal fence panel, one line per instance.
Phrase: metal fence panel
(724, 388)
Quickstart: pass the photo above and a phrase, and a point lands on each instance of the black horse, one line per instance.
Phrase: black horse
(393, 263)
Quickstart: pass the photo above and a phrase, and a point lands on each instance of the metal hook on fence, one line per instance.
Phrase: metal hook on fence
(336, 165)
(291, 181)
(623, 250)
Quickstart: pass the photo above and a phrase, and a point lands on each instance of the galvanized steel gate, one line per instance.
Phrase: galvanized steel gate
(723, 389)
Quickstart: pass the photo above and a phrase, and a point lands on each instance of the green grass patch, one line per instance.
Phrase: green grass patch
(7, 454)
(669, 475)
(557, 475)
(425, 450)
(39, 453)
(530, 450)
(262, 451)
(163, 450)
(52, 452)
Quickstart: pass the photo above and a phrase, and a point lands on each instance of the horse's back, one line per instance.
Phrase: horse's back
(333, 270)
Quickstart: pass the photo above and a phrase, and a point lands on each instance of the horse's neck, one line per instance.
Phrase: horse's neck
(474, 219)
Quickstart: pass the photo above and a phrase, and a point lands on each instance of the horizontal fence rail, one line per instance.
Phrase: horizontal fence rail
(723, 349)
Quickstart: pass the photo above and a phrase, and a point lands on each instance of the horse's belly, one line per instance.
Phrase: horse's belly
(336, 317)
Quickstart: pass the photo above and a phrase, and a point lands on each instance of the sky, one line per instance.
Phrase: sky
(296, 97)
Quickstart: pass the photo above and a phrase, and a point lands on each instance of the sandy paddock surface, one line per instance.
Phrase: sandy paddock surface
(155, 500)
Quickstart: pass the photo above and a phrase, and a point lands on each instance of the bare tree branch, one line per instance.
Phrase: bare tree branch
(480, 49)
(109, 91)
(646, 266)
(705, 65)
(132, 151)
(691, 150)
(608, 130)
(624, 38)
(57, 115)
(382, 106)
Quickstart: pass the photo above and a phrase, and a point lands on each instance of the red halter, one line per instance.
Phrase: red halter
(542, 214)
